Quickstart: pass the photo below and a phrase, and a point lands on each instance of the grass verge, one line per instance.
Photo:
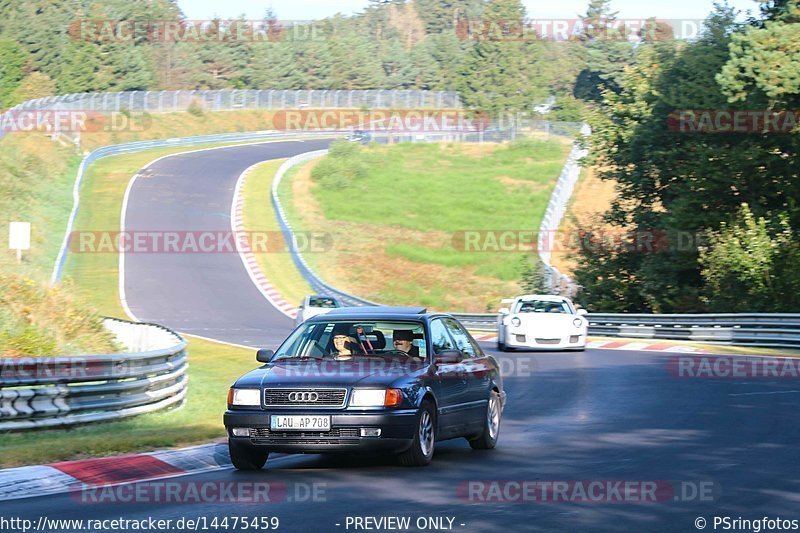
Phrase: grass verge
(395, 214)
(212, 366)
(259, 216)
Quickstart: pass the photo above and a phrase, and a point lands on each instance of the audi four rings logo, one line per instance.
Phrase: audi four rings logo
(303, 396)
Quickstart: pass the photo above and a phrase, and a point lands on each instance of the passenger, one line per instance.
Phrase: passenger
(344, 345)
(403, 340)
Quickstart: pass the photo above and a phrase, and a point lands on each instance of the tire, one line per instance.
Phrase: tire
(491, 425)
(246, 457)
(421, 451)
(501, 346)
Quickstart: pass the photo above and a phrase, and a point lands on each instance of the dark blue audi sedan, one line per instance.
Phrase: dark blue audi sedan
(367, 379)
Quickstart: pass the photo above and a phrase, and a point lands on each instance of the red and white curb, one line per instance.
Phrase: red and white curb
(58, 478)
(631, 345)
(246, 254)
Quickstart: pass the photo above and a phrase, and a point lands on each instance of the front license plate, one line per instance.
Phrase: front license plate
(299, 423)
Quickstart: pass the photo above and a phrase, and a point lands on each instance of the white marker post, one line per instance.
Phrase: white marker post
(19, 238)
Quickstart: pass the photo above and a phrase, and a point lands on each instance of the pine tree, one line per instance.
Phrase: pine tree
(498, 74)
(12, 61)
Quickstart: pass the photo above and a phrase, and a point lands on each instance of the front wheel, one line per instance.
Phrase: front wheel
(501, 346)
(421, 451)
(491, 425)
(246, 457)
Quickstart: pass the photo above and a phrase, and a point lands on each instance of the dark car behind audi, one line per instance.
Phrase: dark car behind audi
(375, 379)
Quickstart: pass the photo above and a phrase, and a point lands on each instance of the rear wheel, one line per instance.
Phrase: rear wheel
(491, 427)
(421, 451)
(247, 457)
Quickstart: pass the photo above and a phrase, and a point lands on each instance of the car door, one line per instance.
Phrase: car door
(448, 381)
(476, 368)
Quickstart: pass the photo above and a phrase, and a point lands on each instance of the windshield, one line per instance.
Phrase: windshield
(542, 306)
(344, 340)
(322, 302)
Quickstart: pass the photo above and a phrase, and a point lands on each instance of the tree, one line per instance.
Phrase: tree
(12, 61)
(35, 85)
(607, 51)
(498, 72)
(443, 15)
(758, 59)
(747, 265)
(79, 73)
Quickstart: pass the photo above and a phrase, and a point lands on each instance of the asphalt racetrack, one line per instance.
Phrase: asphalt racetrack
(712, 447)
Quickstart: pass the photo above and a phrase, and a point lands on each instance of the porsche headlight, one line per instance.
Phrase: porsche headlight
(577, 322)
(516, 321)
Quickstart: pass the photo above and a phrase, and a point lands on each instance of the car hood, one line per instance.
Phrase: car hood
(329, 373)
(546, 324)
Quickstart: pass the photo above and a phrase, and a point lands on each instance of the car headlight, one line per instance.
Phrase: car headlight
(516, 321)
(375, 397)
(577, 322)
(244, 397)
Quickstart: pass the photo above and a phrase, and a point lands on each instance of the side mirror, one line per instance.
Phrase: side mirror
(504, 311)
(264, 355)
(447, 357)
(582, 312)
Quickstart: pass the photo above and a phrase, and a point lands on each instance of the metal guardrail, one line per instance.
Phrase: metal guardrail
(555, 282)
(47, 392)
(286, 228)
(778, 330)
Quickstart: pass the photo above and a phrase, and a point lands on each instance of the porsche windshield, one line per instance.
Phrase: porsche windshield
(344, 340)
(542, 306)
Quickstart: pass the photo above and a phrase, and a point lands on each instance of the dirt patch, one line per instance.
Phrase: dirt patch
(514, 184)
(471, 149)
(592, 197)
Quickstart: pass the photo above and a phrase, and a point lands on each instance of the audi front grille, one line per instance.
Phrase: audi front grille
(304, 397)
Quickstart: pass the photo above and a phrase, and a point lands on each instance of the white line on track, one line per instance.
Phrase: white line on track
(123, 211)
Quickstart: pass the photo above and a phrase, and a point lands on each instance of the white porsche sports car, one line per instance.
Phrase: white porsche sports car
(542, 322)
(314, 305)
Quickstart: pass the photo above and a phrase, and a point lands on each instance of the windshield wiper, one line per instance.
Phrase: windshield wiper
(301, 357)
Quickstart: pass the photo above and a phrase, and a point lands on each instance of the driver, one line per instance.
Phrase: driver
(403, 340)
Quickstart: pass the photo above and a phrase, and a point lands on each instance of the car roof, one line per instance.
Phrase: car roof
(544, 297)
(380, 312)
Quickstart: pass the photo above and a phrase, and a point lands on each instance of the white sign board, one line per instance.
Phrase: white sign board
(19, 236)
